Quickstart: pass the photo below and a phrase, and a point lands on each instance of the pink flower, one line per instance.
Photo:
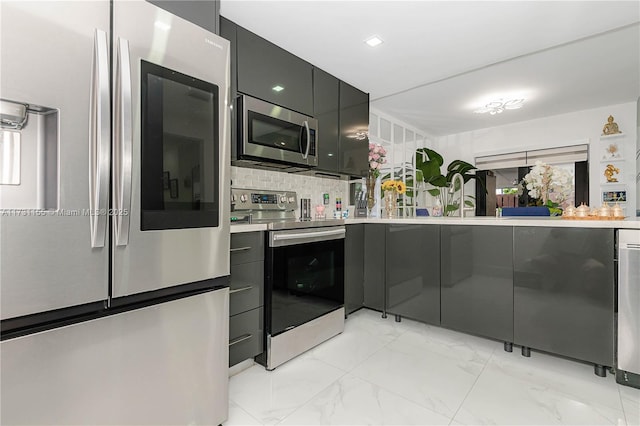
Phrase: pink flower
(373, 165)
(375, 156)
(371, 146)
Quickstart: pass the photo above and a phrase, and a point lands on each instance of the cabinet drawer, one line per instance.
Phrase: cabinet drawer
(247, 284)
(247, 247)
(245, 335)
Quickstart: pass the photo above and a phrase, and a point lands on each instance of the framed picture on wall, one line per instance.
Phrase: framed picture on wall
(195, 179)
(173, 188)
(614, 196)
(165, 180)
(611, 151)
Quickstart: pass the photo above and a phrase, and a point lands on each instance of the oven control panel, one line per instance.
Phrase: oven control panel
(262, 199)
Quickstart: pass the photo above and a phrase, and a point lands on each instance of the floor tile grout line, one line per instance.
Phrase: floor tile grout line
(317, 393)
(472, 386)
(345, 372)
(306, 401)
(247, 413)
(624, 411)
(401, 396)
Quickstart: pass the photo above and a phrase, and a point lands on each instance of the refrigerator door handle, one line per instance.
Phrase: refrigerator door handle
(99, 135)
(123, 140)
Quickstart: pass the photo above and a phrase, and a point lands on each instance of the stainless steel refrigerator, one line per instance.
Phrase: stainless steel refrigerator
(114, 222)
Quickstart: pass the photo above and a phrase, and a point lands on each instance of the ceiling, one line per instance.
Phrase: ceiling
(441, 60)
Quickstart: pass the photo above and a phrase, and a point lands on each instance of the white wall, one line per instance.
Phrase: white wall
(559, 130)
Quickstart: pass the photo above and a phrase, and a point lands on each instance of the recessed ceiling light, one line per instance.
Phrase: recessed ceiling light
(374, 41)
(277, 88)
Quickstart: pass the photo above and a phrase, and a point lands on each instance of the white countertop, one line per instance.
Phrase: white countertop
(479, 220)
(248, 227)
(507, 221)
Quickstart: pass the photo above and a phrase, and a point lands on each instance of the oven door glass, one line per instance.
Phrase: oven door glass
(278, 134)
(305, 281)
(180, 150)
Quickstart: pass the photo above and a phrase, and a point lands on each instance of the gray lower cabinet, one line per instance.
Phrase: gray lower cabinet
(374, 266)
(246, 333)
(564, 291)
(412, 272)
(477, 280)
(354, 268)
(246, 326)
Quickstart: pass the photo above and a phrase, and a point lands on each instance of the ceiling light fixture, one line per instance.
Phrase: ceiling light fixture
(497, 107)
(277, 88)
(374, 41)
(359, 135)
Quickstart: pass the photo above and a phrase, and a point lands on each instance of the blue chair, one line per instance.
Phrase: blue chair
(525, 211)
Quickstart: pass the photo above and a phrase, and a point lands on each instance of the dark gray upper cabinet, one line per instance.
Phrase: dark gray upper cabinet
(354, 120)
(477, 280)
(326, 105)
(564, 291)
(205, 13)
(263, 67)
(413, 272)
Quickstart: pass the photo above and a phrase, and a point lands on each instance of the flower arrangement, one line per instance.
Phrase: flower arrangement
(376, 158)
(397, 186)
(551, 185)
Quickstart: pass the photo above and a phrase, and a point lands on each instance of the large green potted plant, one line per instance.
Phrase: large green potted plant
(428, 169)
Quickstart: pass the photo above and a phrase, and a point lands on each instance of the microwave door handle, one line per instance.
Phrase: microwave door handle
(99, 146)
(123, 142)
(306, 127)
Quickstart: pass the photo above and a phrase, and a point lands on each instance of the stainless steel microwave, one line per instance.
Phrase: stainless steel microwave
(269, 133)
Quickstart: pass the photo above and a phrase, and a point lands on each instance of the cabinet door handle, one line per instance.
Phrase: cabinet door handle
(233, 250)
(237, 290)
(240, 339)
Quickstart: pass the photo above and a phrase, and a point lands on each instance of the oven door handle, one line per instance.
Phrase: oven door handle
(287, 239)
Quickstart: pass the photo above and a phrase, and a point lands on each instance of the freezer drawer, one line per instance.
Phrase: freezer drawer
(163, 364)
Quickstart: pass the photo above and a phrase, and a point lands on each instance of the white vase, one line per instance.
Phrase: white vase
(375, 210)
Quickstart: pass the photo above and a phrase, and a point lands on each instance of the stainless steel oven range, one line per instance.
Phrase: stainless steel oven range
(304, 274)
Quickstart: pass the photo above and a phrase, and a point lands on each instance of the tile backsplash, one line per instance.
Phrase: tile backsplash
(305, 186)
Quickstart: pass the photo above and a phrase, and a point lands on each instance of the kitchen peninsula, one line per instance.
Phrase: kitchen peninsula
(539, 283)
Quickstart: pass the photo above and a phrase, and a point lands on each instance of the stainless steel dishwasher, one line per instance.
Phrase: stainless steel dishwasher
(628, 371)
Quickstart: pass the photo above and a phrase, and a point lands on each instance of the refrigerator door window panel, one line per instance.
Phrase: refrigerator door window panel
(180, 182)
(157, 259)
(46, 258)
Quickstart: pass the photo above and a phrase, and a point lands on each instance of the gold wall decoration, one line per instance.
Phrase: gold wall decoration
(611, 128)
(610, 171)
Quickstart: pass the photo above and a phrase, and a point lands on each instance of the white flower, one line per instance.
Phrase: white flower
(549, 182)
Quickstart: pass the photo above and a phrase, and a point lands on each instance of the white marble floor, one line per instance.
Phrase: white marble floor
(387, 373)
